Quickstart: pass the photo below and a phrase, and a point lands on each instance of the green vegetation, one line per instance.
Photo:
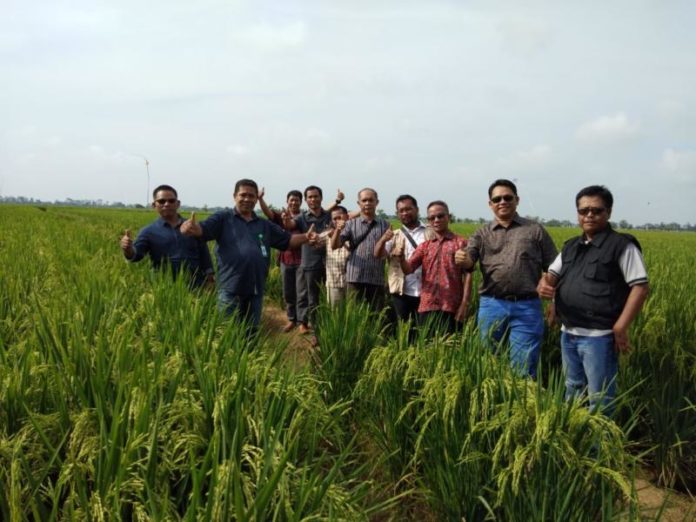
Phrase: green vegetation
(125, 396)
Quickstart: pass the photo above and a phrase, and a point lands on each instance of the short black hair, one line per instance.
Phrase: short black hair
(339, 207)
(404, 197)
(599, 191)
(246, 183)
(502, 183)
(313, 187)
(440, 203)
(295, 193)
(164, 187)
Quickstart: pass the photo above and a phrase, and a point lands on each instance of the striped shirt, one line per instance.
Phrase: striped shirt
(363, 267)
(335, 264)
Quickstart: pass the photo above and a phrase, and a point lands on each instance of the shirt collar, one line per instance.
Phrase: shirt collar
(163, 223)
(235, 212)
(448, 235)
(516, 220)
(599, 237)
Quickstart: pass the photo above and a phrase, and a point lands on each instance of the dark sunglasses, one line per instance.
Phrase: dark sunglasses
(507, 198)
(437, 216)
(162, 201)
(587, 210)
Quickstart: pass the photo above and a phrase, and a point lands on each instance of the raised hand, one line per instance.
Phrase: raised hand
(190, 227)
(312, 236)
(340, 196)
(388, 234)
(127, 243)
(545, 289)
(262, 192)
(462, 258)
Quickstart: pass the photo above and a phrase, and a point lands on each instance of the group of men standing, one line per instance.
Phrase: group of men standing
(598, 282)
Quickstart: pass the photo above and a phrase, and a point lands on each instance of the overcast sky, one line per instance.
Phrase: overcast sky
(433, 98)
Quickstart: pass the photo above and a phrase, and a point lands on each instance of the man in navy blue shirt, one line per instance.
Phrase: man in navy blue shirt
(243, 250)
(163, 241)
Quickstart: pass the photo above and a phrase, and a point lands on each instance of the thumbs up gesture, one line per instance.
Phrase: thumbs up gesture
(127, 244)
(312, 236)
(388, 234)
(340, 196)
(190, 227)
(462, 258)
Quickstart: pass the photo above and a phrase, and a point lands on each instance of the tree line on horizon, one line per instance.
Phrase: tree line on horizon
(565, 223)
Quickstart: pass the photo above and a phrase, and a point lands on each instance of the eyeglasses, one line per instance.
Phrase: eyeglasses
(590, 210)
(507, 198)
(437, 216)
(162, 201)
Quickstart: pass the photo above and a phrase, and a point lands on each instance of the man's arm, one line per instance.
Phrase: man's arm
(340, 196)
(463, 311)
(634, 302)
(380, 250)
(297, 240)
(268, 212)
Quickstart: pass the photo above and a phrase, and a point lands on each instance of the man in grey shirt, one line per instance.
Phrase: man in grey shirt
(512, 253)
(364, 270)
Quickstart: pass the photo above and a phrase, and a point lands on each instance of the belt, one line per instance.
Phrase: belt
(514, 297)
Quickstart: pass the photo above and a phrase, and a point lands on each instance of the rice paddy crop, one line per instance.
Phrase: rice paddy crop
(124, 396)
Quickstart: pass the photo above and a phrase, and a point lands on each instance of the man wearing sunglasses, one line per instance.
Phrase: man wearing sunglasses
(163, 241)
(600, 283)
(512, 253)
(446, 288)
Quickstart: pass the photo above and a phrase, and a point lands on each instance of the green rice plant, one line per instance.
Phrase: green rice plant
(484, 442)
(347, 334)
(125, 396)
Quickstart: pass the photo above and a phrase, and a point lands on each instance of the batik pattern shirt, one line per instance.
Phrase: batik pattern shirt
(442, 287)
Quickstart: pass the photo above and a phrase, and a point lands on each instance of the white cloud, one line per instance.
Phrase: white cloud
(237, 149)
(267, 36)
(681, 165)
(525, 35)
(608, 129)
(537, 157)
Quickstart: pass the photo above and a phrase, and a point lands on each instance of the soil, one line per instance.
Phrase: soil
(674, 506)
(299, 350)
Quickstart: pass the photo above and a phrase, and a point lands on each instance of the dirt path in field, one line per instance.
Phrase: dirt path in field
(298, 350)
(677, 507)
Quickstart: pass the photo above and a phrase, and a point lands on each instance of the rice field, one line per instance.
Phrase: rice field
(123, 396)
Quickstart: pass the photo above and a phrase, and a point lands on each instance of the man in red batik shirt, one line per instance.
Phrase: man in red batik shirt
(446, 287)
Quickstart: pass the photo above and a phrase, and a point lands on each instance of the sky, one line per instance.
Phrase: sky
(432, 98)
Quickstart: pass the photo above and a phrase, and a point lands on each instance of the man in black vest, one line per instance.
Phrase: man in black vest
(599, 284)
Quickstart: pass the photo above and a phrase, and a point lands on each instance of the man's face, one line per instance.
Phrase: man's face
(245, 199)
(596, 216)
(313, 198)
(407, 212)
(438, 217)
(337, 216)
(367, 202)
(166, 204)
(294, 203)
(503, 202)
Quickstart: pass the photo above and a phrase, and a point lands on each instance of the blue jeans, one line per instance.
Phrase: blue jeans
(590, 364)
(248, 307)
(524, 322)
